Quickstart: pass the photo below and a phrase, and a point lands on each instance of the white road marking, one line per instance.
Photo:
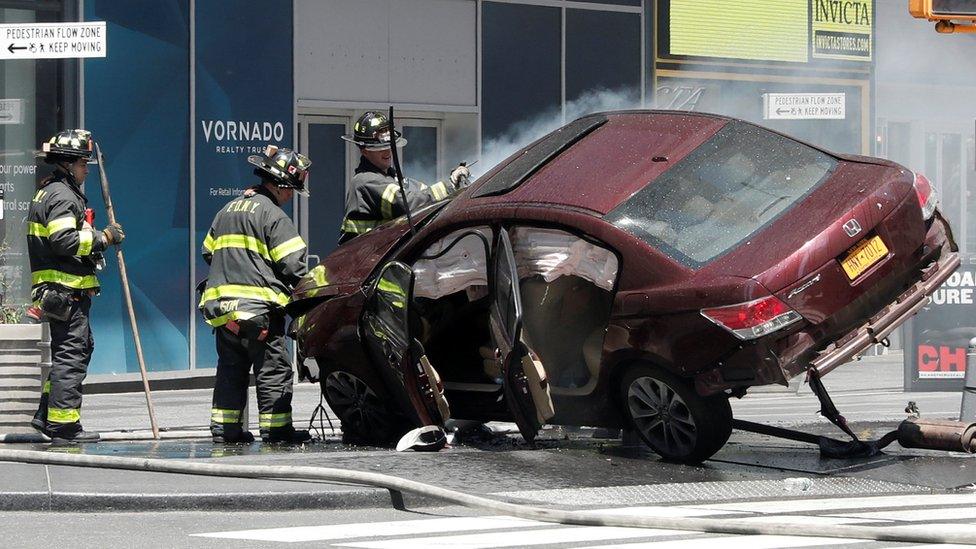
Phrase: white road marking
(899, 511)
(917, 515)
(826, 505)
(521, 538)
(733, 542)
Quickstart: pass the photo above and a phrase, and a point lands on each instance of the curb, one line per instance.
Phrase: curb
(363, 498)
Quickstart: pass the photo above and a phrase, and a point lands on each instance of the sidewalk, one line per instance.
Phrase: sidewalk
(568, 458)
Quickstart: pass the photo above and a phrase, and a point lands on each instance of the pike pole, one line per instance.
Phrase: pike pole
(128, 295)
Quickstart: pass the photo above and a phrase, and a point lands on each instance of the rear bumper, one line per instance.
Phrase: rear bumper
(888, 319)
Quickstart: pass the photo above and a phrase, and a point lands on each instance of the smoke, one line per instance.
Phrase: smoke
(521, 134)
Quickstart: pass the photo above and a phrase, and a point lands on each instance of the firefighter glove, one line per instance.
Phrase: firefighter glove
(461, 176)
(113, 234)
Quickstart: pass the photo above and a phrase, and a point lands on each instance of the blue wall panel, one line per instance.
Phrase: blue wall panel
(137, 105)
(243, 80)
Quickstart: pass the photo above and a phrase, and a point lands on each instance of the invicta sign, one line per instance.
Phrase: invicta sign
(842, 29)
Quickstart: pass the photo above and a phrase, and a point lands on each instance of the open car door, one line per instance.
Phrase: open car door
(393, 349)
(524, 379)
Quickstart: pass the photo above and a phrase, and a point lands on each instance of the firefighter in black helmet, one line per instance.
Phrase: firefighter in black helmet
(256, 257)
(373, 196)
(64, 249)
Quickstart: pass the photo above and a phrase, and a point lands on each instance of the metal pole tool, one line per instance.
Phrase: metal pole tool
(128, 295)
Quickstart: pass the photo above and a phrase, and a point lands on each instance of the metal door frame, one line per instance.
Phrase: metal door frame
(300, 202)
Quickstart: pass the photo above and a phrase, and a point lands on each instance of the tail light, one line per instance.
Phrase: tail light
(755, 318)
(928, 198)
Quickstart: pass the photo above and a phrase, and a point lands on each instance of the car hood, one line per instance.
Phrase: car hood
(345, 269)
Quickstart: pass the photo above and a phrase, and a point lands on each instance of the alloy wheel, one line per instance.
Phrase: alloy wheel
(662, 416)
(357, 406)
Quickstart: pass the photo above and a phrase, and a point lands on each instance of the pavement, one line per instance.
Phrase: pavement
(566, 462)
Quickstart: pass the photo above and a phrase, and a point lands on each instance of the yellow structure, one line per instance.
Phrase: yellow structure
(945, 12)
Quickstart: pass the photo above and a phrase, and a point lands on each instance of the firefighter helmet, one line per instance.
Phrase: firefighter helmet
(372, 131)
(68, 145)
(285, 167)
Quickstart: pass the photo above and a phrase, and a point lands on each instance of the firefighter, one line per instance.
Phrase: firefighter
(256, 257)
(64, 250)
(373, 196)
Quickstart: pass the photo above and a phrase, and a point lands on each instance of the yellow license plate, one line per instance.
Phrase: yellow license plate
(863, 255)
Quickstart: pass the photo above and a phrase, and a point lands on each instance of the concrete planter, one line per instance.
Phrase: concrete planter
(25, 356)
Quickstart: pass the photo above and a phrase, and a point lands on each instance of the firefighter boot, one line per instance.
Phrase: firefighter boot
(284, 435)
(69, 432)
(40, 416)
(230, 433)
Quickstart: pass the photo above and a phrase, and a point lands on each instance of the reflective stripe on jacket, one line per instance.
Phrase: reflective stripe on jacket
(59, 246)
(256, 256)
(373, 198)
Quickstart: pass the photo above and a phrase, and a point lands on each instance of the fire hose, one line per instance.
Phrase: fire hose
(910, 534)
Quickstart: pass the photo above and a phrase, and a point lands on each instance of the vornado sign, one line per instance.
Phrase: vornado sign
(227, 134)
(842, 29)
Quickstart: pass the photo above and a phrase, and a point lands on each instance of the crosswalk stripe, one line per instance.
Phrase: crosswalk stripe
(374, 529)
(900, 510)
(731, 542)
(917, 515)
(827, 505)
(520, 538)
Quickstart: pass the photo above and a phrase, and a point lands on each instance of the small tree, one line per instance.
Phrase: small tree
(9, 314)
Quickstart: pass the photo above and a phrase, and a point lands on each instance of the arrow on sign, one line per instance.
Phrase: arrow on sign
(6, 116)
(782, 111)
(11, 48)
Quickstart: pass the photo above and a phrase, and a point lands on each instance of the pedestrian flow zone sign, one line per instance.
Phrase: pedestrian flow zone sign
(53, 40)
(804, 106)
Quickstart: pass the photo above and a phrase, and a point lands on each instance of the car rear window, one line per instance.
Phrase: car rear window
(726, 190)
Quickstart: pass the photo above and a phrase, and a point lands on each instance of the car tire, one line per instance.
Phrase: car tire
(690, 429)
(362, 411)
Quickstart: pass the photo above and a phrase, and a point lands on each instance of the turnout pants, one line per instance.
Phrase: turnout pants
(236, 355)
(71, 350)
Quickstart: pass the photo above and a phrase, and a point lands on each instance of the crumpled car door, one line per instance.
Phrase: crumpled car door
(394, 350)
(525, 384)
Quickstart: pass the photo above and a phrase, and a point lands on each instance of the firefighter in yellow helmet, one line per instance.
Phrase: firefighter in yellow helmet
(373, 196)
(63, 250)
(256, 257)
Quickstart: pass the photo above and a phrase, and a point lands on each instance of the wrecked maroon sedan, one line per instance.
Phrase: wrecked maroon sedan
(631, 269)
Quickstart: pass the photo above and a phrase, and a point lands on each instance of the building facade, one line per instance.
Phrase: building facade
(189, 88)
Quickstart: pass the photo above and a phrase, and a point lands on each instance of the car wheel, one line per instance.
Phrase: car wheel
(672, 418)
(363, 414)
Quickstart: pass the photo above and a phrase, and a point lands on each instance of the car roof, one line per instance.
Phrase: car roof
(598, 161)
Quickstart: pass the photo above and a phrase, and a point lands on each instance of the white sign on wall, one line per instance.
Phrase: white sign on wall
(11, 111)
(53, 40)
(804, 106)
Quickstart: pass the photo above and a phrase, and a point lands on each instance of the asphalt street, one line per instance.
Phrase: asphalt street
(755, 477)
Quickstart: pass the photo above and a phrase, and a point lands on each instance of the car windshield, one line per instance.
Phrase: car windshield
(726, 190)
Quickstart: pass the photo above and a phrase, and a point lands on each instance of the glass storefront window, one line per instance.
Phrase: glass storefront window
(37, 98)
(952, 178)
(970, 244)
(512, 92)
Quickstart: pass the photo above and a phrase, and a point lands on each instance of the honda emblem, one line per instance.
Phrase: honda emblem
(852, 227)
